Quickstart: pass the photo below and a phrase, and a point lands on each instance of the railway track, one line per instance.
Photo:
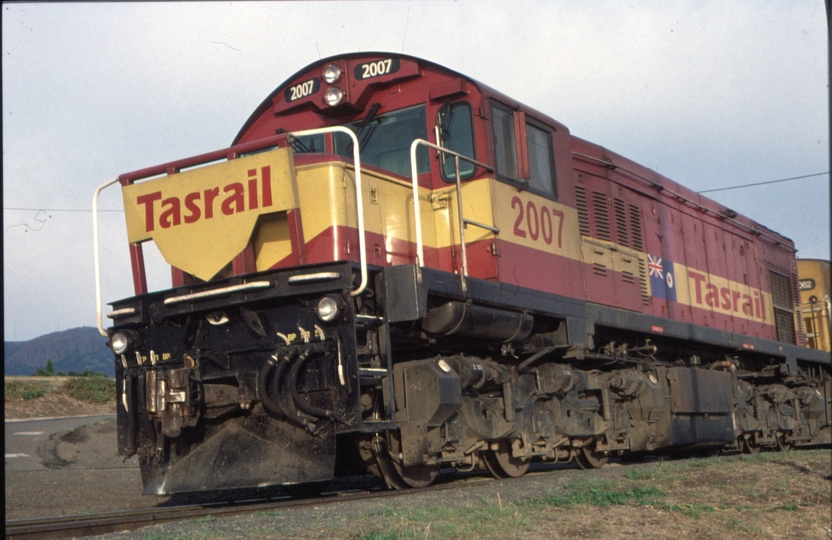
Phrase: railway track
(83, 525)
(95, 524)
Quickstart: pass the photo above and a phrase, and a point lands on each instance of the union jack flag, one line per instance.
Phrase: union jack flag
(655, 266)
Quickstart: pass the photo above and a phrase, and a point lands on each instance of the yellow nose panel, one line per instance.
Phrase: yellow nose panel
(201, 219)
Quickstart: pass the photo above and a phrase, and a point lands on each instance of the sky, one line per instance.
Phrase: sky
(710, 93)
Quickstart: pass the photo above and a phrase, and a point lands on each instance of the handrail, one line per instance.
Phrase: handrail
(420, 254)
(219, 154)
(359, 201)
(96, 256)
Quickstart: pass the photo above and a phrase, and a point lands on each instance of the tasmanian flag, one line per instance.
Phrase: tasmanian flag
(662, 277)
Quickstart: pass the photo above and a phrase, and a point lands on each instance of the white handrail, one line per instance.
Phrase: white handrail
(96, 256)
(359, 209)
(417, 215)
(414, 171)
(359, 202)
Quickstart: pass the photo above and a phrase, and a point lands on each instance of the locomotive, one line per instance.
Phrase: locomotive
(815, 283)
(397, 269)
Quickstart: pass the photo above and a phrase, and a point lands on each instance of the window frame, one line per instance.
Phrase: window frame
(514, 148)
(467, 176)
(423, 151)
(521, 150)
(550, 132)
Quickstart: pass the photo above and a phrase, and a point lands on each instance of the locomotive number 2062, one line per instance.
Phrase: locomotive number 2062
(537, 223)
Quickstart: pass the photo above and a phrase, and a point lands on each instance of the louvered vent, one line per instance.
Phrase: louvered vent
(642, 274)
(801, 332)
(628, 277)
(781, 294)
(583, 215)
(602, 216)
(636, 234)
(781, 297)
(621, 222)
(599, 269)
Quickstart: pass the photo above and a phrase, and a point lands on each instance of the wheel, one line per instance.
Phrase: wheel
(782, 444)
(398, 476)
(416, 476)
(502, 464)
(749, 448)
(589, 458)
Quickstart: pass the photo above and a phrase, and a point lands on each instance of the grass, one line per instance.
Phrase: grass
(95, 389)
(769, 495)
(600, 493)
(483, 520)
(23, 390)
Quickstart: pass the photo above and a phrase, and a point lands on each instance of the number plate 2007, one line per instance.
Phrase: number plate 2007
(302, 90)
(377, 68)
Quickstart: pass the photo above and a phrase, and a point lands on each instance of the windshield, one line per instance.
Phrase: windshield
(385, 140)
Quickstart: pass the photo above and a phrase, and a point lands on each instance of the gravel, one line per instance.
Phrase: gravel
(86, 476)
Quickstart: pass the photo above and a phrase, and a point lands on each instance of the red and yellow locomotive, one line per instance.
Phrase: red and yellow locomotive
(395, 268)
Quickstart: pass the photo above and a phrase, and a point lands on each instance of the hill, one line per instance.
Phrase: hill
(76, 349)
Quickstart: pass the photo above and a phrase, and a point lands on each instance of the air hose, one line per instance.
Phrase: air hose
(262, 386)
(300, 403)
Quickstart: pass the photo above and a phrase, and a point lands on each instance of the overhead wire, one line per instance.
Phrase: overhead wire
(764, 183)
(703, 191)
(59, 209)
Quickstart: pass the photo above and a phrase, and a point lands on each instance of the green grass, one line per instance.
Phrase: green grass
(23, 390)
(600, 493)
(97, 390)
(485, 520)
(272, 513)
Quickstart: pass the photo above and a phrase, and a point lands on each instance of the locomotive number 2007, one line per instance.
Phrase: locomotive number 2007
(538, 223)
(302, 90)
(377, 68)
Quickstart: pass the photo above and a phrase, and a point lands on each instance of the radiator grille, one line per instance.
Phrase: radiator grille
(782, 298)
(642, 271)
(583, 215)
(599, 269)
(621, 222)
(602, 216)
(635, 228)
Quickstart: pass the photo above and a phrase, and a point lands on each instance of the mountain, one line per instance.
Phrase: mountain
(76, 349)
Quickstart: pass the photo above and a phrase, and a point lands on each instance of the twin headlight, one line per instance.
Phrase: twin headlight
(333, 95)
(332, 73)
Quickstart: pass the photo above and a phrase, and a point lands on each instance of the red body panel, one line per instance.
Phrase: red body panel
(624, 204)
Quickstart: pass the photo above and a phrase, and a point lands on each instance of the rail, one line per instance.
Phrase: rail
(463, 222)
(230, 153)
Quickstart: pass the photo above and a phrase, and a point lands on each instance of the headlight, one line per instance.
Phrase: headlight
(327, 309)
(332, 73)
(333, 96)
(119, 342)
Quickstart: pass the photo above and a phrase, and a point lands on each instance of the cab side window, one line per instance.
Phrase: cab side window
(526, 158)
(456, 132)
(505, 144)
(541, 160)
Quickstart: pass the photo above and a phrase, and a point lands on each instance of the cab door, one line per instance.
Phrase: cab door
(454, 130)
